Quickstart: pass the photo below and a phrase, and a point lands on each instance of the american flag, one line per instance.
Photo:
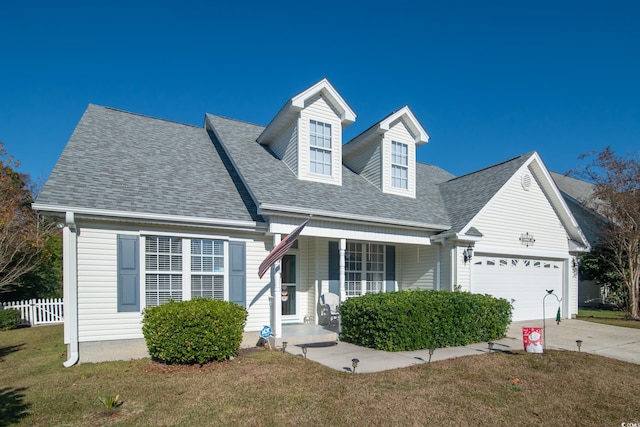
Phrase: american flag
(279, 251)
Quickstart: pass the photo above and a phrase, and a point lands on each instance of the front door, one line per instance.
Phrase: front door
(289, 277)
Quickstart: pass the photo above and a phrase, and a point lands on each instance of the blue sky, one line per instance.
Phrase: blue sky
(487, 80)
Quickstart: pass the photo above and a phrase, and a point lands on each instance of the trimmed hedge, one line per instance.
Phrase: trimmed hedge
(197, 331)
(416, 319)
(9, 319)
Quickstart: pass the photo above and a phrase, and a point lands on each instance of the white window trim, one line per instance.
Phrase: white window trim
(186, 263)
(363, 278)
(323, 149)
(404, 167)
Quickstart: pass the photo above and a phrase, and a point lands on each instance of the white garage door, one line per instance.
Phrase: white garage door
(524, 280)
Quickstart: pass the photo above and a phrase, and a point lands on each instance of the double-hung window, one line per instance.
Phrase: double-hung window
(163, 270)
(320, 148)
(207, 269)
(364, 268)
(170, 262)
(399, 165)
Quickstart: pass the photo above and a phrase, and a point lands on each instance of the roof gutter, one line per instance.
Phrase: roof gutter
(70, 282)
(267, 209)
(151, 217)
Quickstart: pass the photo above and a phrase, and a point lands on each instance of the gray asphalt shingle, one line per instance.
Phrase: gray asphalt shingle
(466, 195)
(122, 161)
(272, 182)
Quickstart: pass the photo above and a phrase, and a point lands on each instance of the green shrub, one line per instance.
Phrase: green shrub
(196, 331)
(9, 319)
(412, 320)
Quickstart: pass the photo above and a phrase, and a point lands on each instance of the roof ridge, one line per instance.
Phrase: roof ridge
(144, 115)
(493, 166)
(235, 120)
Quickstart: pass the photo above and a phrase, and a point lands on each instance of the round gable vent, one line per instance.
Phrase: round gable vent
(526, 181)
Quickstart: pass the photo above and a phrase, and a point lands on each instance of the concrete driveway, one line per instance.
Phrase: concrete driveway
(609, 341)
(605, 340)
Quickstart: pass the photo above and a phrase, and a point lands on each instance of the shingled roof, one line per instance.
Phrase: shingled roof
(273, 183)
(120, 161)
(578, 196)
(466, 195)
(117, 161)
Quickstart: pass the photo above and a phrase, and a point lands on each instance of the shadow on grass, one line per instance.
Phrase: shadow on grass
(9, 349)
(13, 408)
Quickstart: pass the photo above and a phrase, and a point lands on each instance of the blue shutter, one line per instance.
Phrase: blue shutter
(334, 268)
(238, 273)
(128, 273)
(390, 268)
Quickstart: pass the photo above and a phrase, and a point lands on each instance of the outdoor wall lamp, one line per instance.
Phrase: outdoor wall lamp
(431, 350)
(354, 365)
(579, 344)
(284, 346)
(468, 254)
(304, 351)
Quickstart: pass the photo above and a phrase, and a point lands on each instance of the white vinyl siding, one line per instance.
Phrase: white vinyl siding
(399, 165)
(286, 146)
(98, 316)
(515, 212)
(417, 266)
(367, 162)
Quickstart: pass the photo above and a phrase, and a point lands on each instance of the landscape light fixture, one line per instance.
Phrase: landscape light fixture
(579, 344)
(468, 254)
(304, 351)
(431, 350)
(284, 346)
(490, 344)
(354, 365)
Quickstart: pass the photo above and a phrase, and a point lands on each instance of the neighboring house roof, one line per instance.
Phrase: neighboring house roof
(466, 195)
(117, 161)
(275, 187)
(578, 193)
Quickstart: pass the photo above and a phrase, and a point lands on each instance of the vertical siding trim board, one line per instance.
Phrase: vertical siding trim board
(128, 273)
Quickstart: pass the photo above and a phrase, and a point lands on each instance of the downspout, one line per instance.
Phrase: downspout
(70, 277)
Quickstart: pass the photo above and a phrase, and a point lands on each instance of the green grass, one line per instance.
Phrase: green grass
(607, 317)
(269, 388)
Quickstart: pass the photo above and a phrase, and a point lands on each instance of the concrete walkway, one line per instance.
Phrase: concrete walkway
(610, 341)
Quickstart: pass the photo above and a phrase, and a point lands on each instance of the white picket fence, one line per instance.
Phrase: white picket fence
(39, 311)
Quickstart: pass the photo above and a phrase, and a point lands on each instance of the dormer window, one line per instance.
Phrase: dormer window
(399, 165)
(320, 148)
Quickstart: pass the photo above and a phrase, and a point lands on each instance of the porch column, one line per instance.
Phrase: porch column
(276, 291)
(343, 248)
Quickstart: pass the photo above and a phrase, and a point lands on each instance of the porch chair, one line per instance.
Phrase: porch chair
(329, 304)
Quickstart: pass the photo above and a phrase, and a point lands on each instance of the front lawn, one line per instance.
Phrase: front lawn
(269, 388)
(608, 317)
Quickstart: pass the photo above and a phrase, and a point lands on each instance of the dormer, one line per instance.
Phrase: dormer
(385, 154)
(306, 134)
